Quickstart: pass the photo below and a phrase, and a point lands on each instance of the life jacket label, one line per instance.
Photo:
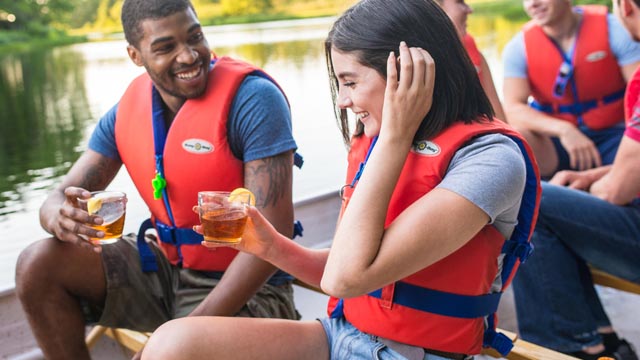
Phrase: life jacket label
(426, 148)
(197, 146)
(596, 56)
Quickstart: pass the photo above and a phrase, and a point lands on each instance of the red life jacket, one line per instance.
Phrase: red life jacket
(197, 137)
(444, 306)
(474, 54)
(594, 83)
(632, 95)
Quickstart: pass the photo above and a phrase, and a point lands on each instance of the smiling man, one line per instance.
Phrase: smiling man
(574, 63)
(190, 123)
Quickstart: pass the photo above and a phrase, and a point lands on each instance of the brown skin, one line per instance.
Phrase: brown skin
(176, 56)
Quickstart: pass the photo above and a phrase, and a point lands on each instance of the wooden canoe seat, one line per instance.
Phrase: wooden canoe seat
(130, 339)
(522, 350)
(605, 279)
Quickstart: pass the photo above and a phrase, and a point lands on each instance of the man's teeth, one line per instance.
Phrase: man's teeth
(188, 75)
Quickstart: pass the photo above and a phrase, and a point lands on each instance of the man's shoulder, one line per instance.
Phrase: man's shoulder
(259, 88)
(255, 82)
(515, 46)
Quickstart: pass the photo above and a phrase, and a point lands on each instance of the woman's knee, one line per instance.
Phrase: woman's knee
(173, 340)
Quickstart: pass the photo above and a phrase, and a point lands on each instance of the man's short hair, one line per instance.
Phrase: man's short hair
(135, 11)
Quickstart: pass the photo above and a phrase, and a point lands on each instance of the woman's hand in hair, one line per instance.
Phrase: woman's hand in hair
(408, 97)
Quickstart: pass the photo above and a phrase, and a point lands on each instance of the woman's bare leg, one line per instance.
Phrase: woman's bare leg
(209, 338)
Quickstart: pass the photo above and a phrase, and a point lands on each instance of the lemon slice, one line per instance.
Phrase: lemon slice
(93, 205)
(239, 193)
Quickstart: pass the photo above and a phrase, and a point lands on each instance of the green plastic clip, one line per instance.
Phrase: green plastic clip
(158, 183)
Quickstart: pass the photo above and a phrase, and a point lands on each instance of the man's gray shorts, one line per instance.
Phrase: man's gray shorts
(144, 301)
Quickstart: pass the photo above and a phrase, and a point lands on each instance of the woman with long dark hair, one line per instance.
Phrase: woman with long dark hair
(437, 210)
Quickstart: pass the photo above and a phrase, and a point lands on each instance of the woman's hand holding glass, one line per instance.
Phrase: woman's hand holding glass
(409, 92)
(257, 239)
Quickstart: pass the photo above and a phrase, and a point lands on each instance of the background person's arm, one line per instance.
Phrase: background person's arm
(519, 113)
(622, 183)
(628, 70)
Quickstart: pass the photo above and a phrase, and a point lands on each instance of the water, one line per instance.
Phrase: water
(52, 99)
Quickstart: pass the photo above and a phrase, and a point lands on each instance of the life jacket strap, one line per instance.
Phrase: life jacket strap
(498, 341)
(338, 311)
(577, 108)
(297, 229)
(442, 303)
(298, 160)
(518, 249)
(147, 257)
(177, 236)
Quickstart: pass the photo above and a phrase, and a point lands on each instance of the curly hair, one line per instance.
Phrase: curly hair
(135, 11)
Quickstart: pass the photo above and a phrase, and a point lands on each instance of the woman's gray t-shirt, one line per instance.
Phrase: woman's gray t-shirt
(490, 172)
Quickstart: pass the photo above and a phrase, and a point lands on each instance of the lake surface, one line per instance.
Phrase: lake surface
(51, 100)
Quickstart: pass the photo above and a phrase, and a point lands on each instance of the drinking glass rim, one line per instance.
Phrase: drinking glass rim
(108, 194)
(214, 192)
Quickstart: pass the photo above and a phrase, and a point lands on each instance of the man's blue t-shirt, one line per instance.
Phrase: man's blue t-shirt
(259, 123)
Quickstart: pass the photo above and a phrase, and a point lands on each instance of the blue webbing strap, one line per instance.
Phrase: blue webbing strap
(159, 138)
(297, 229)
(338, 311)
(177, 236)
(577, 108)
(358, 174)
(518, 246)
(442, 303)
(147, 257)
(494, 339)
(298, 160)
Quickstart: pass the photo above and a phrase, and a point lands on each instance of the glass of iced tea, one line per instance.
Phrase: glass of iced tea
(223, 215)
(111, 207)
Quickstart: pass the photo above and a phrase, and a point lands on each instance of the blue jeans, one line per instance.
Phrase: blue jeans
(556, 302)
(347, 342)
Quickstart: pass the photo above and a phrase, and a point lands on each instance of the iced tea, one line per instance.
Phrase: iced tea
(223, 225)
(110, 206)
(223, 215)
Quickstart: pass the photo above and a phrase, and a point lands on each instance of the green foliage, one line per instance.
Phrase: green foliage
(108, 15)
(85, 12)
(41, 12)
(246, 7)
(513, 9)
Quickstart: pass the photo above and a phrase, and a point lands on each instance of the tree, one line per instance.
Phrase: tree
(246, 7)
(35, 16)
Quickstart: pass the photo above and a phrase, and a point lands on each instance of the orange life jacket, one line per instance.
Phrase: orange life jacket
(196, 156)
(594, 90)
(444, 306)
